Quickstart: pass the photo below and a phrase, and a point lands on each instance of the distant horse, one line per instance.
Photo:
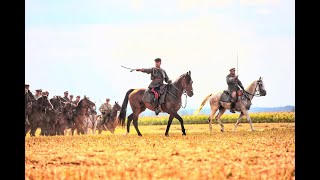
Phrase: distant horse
(79, 117)
(111, 123)
(63, 119)
(172, 103)
(37, 114)
(256, 88)
(49, 122)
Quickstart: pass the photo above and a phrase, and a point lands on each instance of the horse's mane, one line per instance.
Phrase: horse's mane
(181, 76)
(251, 85)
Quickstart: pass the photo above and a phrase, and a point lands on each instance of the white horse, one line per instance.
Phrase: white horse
(256, 88)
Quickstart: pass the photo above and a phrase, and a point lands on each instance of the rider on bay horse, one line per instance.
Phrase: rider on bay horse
(157, 76)
(233, 82)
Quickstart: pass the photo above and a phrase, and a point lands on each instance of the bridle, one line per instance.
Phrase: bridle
(183, 92)
(256, 93)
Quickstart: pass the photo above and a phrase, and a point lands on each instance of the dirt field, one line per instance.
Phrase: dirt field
(268, 153)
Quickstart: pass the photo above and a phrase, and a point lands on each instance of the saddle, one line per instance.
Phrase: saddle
(149, 95)
(226, 96)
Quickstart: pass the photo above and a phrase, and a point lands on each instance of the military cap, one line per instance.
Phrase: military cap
(71, 95)
(107, 99)
(78, 96)
(26, 85)
(44, 93)
(157, 60)
(232, 69)
(66, 92)
(39, 90)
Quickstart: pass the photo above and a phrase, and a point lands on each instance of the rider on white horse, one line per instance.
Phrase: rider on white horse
(233, 82)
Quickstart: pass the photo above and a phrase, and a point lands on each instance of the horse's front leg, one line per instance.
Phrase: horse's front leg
(238, 121)
(176, 115)
(248, 119)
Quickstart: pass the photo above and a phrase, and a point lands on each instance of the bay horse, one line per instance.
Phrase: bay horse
(111, 122)
(63, 119)
(256, 88)
(37, 114)
(50, 120)
(172, 104)
(79, 116)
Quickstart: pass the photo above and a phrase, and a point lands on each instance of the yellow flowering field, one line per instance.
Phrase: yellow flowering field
(267, 153)
(260, 117)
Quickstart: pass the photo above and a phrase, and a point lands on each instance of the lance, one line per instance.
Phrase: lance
(237, 64)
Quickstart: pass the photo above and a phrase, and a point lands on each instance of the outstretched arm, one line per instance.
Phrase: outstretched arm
(148, 70)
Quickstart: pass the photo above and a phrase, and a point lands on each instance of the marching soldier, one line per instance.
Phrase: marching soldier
(233, 82)
(157, 76)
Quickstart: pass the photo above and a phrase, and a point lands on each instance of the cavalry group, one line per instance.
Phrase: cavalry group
(57, 115)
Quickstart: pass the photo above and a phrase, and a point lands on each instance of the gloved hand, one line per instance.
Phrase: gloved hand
(169, 81)
(138, 69)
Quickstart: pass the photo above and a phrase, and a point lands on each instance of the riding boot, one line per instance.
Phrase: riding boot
(232, 107)
(156, 104)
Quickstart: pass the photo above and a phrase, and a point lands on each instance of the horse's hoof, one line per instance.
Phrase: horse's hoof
(252, 130)
(167, 135)
(184, 134)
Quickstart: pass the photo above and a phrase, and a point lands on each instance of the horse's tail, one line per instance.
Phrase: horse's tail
(202, 104)
(123, 111)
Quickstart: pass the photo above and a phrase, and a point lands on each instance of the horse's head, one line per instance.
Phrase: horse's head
(261, 88)
(187, 84)
(44, 102)
(116, 106)
(85, 102)
(56, 103)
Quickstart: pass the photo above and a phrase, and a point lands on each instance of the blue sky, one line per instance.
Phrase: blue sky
(80, 46)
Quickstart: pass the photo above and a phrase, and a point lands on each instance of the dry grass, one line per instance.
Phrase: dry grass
(268, 153)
